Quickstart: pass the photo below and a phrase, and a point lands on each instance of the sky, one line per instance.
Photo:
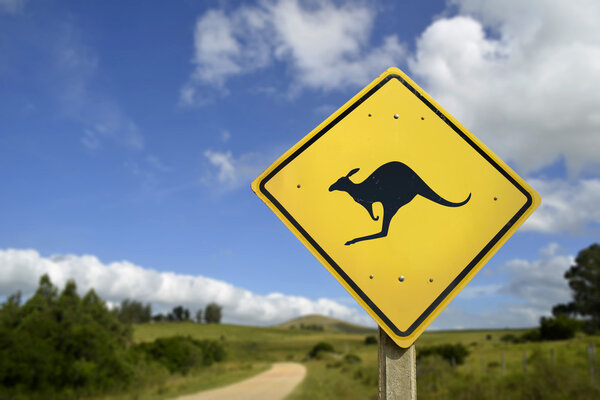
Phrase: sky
(131, 132)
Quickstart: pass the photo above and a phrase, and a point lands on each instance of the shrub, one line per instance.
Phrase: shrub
(510, 338)
(532, 335)
(457, 352)
(352, 359)
(370, 340)
(558, 328)
(180, 354)
(312, 327)
(319, 348)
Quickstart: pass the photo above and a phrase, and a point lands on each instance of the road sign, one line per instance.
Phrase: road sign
(398, 201)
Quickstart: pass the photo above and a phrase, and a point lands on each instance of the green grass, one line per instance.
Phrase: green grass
(481, 377)
(247, 343)
(327, 323)
(216, 375)
(325, 381)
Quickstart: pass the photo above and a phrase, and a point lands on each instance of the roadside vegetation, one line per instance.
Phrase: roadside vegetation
(63, 346)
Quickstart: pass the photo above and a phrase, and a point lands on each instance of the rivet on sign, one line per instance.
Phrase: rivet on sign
(371, 276)
(401, 279)
(422, 118)
(298, 186)
(396, 116)
(370, 114)
(430, 279)
(495, 198)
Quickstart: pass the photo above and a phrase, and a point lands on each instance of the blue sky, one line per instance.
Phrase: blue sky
(131, 131)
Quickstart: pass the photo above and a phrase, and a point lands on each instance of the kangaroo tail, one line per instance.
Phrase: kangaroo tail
(428, 193)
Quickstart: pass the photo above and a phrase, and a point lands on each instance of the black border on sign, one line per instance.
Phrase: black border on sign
(336, 267)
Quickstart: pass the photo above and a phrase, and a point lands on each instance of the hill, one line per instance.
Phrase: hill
(326, 324)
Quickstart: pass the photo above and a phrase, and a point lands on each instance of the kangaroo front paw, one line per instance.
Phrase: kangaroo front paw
(349, 242)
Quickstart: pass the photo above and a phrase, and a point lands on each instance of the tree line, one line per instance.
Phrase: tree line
(62, 345)
(135, 312)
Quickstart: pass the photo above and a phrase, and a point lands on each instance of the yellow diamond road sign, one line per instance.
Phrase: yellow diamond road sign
(399, 202)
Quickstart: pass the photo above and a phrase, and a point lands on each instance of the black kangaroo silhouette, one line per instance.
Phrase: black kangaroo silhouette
(393, 184)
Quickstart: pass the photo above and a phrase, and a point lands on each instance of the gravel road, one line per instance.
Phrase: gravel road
(274, 384)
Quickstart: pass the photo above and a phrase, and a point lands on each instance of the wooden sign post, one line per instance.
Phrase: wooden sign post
(397, 370)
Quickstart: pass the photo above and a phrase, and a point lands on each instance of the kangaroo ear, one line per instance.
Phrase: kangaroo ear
(355, 170)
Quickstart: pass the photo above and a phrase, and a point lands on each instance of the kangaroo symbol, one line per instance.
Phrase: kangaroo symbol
(393, 184)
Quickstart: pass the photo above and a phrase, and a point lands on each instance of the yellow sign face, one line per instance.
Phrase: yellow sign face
(399, 202)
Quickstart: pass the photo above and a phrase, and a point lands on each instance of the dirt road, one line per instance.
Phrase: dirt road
(274, 384)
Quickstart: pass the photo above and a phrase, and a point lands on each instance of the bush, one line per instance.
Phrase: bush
(370, 340)
(449, 352)
(312, 327)
(352, 359)
(558, 328)
(57, 344)
(532, 335)
(319, 348)
(510, 338)
(181, 354)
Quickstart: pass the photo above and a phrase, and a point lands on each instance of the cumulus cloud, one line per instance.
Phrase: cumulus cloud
(540, 284)
(324, 45)
(75, 84)
(231, 172)
(521, 75)
(566, 206)
(480, 291)
(116, 281)
(527, 291)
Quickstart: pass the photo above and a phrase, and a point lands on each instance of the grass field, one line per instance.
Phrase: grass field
(551, 370)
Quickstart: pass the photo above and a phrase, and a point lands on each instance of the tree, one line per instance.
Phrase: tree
(179, 313)
(159, 318)
(61, 342)
(133, 312)
(212, 313)
(584, 281)
(199, 316)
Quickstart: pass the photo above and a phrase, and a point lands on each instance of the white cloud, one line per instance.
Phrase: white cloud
(541, 283)
(324, 45)
(155, 163)
(75, 84)
(521, 75)
(566, 206)
(224, 164)
(12, 6)
(480, 291)
(21, 270)
(232, 172)
(527, 291)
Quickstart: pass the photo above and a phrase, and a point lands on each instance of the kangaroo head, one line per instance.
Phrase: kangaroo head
(344, 182)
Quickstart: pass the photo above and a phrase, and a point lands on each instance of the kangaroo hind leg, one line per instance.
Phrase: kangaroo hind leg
(387, 218)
